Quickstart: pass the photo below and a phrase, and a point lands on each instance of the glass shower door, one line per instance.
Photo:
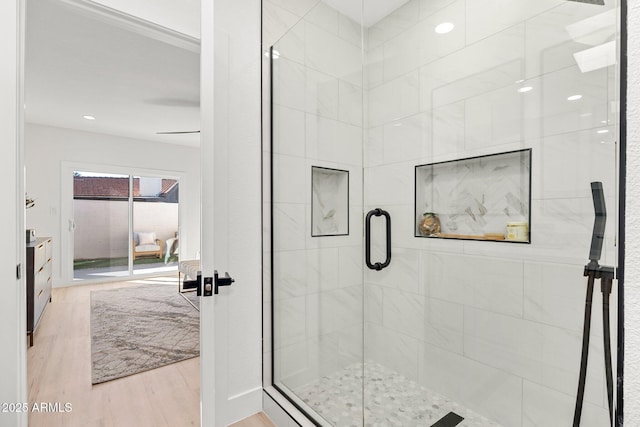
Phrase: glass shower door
(316, 205)
(478, 127)
(486, 123)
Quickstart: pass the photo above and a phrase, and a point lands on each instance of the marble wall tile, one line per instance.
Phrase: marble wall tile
(351, 345)
(350, 264)
(403, 312)
(297, 7)
(493, 118)
(560, 115)
(403, 273)
(448, 130)
(488, 54)
(374, 66)
(350, 103)
(435, 45)
(326, 52)
(504, 342)
(475, 196)
(394, 100)
(324, 16)
(350, 30)
(289, 225)
(561, 350)
(291, 45)
(290, 276)
(443, 326)
(408, 139)
(333, 141)
(288, 131)
(554, 295)
(590, 155)
(321, 94)
(402, 53)
(330, 202)
(373, 300)
(389, 184)
(322, 269)
(492, 16)
(473, 85)
(289, 84)
(429, 7)
(550, 46)
(340, 308)
(399, 20)
(391, 349)
(544, 407)
(290, 322)
(489, 391)
(374, 146)
(289, 180)
(502, 282)
(276, 22)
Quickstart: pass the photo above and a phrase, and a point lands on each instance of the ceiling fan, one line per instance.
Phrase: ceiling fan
(178, 132)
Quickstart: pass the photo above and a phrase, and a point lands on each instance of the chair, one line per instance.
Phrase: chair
(146, 244)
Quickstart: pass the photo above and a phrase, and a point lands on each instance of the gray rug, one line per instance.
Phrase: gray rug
(140, 328)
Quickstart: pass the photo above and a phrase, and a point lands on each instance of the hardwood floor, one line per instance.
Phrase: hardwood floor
(59, 372)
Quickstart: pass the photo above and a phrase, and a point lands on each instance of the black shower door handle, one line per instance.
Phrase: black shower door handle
(367, 236)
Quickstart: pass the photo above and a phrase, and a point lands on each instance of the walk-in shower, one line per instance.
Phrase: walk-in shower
(463, 136)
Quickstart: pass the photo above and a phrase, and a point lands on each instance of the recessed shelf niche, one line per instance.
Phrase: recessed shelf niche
(329, 202)
(477, 198)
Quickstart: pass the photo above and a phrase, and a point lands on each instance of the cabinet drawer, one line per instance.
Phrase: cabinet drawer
(39, 256)
(48, 249)
(40, 300)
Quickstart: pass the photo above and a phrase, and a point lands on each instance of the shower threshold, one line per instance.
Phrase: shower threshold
(390, 399)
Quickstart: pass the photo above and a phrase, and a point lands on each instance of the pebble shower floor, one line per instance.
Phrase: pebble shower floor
(390, 400)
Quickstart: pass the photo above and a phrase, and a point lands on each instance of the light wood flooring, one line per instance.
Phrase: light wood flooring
(59, 371)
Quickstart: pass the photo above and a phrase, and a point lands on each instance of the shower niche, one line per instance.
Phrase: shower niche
(478, 198)
(329, 202)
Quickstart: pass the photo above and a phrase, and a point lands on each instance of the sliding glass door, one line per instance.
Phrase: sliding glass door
(123, 225)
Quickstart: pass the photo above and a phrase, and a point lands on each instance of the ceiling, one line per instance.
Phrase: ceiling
(133, 84)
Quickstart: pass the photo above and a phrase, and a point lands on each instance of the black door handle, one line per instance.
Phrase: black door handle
(367, 236)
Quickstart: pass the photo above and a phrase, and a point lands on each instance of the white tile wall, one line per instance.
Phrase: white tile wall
(489, 391)
(545, 407)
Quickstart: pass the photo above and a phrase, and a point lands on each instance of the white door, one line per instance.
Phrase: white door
(231, 343)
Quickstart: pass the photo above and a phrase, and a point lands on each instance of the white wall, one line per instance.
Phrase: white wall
(13, 352)
(47, 152)
(632, 264)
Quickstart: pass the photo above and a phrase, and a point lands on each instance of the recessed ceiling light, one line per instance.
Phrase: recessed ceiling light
(89, 117)
(519, 81)
(603, 131)
(574, 97)
(525, 89)
(604, 122)
(444, 28)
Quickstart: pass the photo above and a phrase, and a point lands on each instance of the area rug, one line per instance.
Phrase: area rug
(139, 328)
